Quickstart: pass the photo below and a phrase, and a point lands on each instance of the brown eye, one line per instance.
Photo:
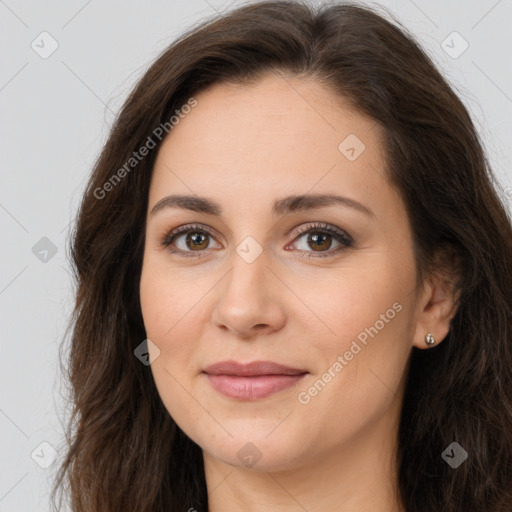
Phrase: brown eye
(320, 240)
(196, 240)
(191, 240)
(186, 240)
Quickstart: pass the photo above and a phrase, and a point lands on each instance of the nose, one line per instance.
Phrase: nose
(249, 299)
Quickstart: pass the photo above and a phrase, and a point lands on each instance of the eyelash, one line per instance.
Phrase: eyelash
(318, 227)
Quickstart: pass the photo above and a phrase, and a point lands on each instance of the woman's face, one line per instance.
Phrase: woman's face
(265, 270)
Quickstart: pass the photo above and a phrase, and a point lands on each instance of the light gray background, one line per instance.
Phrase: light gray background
(55, 115)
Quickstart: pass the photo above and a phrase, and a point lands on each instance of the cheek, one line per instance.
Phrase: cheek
(173, 318)
(365, 338)
(348, 303)
(169, 299)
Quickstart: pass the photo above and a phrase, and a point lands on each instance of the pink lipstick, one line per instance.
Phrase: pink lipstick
(251, 381)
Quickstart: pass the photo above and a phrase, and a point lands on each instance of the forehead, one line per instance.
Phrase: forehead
(278, 132)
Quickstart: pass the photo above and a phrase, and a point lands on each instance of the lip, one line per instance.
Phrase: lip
(254, 369)
(251, 381)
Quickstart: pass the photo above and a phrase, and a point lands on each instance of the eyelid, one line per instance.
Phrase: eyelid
(321, 226)
(188, 227)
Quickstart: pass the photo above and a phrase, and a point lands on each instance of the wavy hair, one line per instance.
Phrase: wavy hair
(123, 450)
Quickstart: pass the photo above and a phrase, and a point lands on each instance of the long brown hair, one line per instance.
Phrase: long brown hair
(123, 450)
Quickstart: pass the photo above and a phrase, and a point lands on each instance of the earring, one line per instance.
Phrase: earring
(429, 339)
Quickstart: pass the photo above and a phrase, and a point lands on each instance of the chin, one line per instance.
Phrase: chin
(255, 451)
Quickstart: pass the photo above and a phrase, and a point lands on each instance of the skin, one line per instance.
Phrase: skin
(244, 147)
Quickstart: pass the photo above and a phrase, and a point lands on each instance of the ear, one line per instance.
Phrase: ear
(436, 305)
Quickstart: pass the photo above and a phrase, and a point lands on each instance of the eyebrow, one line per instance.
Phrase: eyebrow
(289, 204)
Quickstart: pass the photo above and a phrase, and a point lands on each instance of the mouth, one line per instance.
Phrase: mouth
(252, 381)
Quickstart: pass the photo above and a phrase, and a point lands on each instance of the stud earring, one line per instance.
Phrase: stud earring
(429, 339)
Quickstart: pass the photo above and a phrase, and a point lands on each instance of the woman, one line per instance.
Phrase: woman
(294, 281)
